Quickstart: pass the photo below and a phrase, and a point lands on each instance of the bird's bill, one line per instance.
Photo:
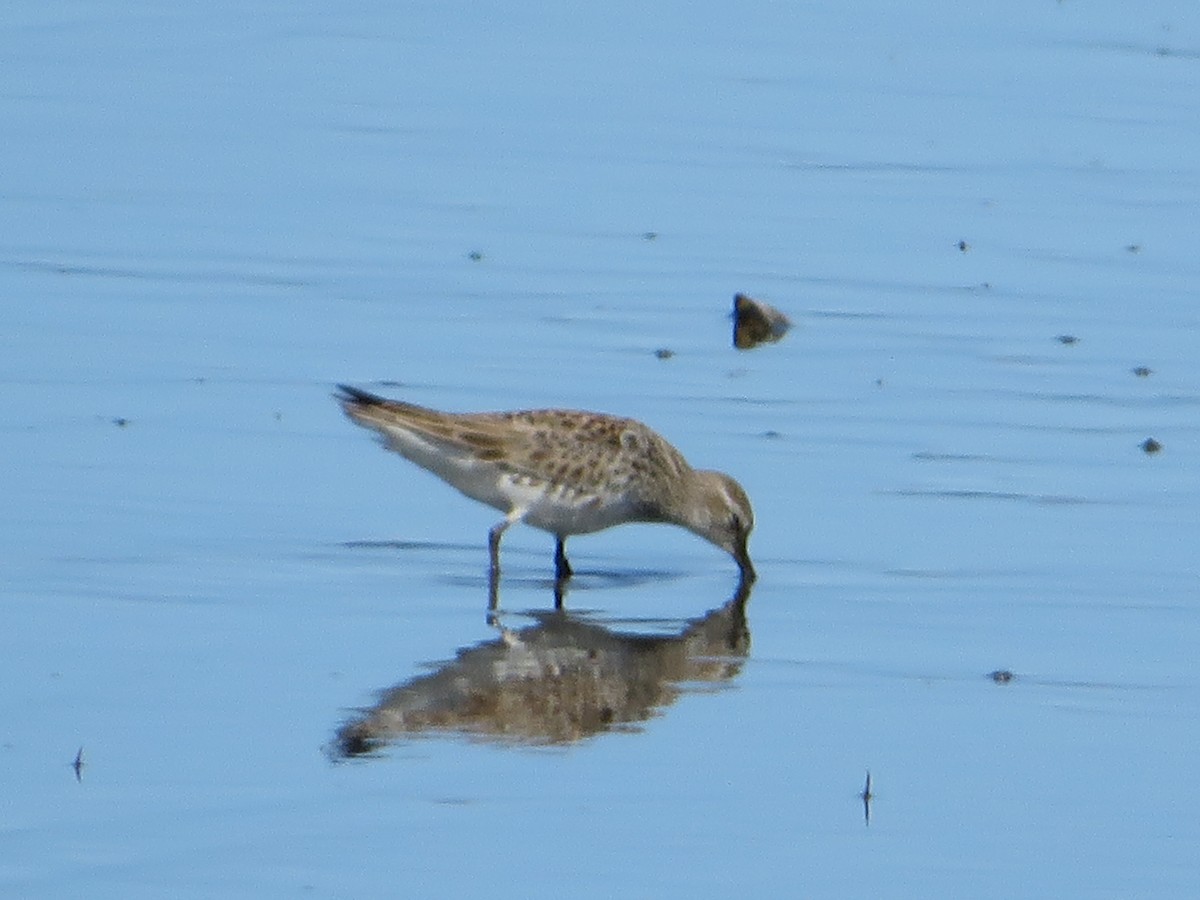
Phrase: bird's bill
(742, 555)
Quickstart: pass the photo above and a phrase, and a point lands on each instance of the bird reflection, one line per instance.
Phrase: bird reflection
(559, 681)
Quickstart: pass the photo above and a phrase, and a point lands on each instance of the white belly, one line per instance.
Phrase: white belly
(562, 511)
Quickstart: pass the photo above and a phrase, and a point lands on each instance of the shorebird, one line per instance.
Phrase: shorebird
(563, 471)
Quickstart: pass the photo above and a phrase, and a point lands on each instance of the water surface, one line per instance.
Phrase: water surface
(981, 221)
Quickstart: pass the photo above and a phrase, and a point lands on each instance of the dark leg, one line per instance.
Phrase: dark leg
(493, 598)
(494, 549)
(562, 568)
(494, 535)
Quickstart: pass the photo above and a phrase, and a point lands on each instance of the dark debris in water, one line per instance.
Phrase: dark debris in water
(1150, 445)
(1067, 339)
(664, 353)
(754, 323)
(867, 796)
(121, 421)
(963, 246)
(1001, 676)
(1142, 371)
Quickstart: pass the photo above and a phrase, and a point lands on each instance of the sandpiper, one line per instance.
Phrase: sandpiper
(563, 471)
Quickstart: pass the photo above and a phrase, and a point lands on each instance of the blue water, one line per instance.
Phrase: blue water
(210, 214)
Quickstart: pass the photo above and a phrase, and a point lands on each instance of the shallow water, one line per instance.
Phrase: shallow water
(210, 217)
